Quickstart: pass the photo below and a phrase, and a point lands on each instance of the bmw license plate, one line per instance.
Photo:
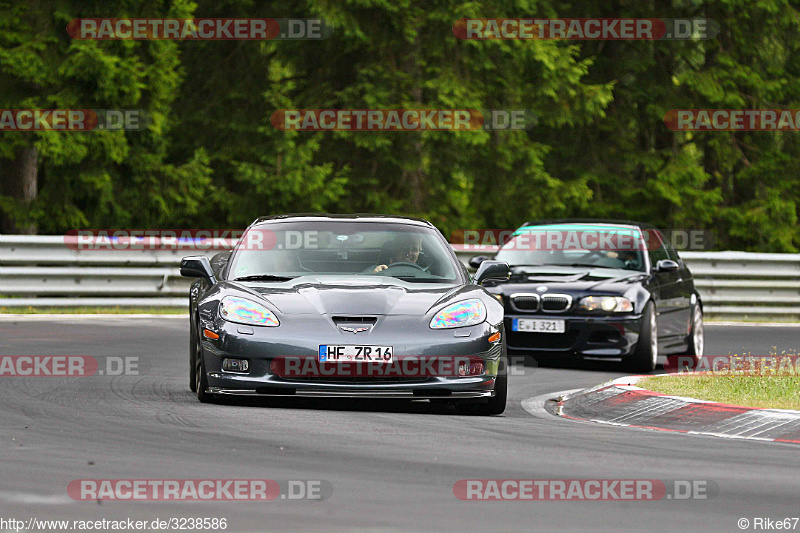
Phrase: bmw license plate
(538, 325)
(353, 352)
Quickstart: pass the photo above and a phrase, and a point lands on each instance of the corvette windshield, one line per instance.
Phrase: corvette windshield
(278, 252)
(589, 245)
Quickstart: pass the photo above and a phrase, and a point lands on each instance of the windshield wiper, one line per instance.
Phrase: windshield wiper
(264, 277)
(581, 265)
(588, 265)
(412, 279)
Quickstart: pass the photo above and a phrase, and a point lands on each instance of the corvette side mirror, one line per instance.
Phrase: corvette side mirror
(197, 266)
(497, 270)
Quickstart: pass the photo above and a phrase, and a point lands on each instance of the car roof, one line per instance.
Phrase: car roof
(608, 221)
(355, 217)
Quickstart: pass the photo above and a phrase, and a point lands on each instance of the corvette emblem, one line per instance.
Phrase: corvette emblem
(353, 330)
(541, 288)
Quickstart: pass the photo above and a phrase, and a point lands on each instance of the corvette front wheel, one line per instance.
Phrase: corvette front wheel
(193, 346)
(202, 380)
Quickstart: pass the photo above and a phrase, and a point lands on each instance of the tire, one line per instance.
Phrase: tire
(202, 381)
(696, 338)
(497, 403)
(645, 355)
(193, 345)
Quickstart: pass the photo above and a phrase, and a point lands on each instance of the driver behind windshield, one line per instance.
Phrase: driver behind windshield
(628, 258)
(405, 248)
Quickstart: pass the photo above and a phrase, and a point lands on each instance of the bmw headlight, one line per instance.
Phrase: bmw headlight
(243, 311)
(608, 304)
(460, 314)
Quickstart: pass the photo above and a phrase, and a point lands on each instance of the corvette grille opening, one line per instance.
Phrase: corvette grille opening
(355, 319)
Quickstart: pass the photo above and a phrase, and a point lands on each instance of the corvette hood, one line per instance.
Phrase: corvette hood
(351, 296)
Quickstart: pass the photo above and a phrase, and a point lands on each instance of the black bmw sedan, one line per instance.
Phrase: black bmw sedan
(589, 289)
(346, 306)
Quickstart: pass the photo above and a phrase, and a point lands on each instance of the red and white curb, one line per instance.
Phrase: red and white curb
(619, 402)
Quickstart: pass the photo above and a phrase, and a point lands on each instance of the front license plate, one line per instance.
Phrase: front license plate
(538, 325)
(351, 352)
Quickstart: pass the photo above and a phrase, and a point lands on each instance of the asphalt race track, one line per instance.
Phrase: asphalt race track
(392, 466)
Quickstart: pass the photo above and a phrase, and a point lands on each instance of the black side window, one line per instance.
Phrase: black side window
(219, 261)
(658, 254)
(672, 253)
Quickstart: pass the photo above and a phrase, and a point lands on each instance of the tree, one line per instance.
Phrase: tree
(98, 178)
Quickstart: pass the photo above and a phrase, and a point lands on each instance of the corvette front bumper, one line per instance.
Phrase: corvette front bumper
(416, 393)
(264, 346)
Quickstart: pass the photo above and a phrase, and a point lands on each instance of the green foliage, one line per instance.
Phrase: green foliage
(210, 156)
(98, 178)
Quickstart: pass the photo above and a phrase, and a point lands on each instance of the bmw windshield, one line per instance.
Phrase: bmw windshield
(276, 252)
(580, 245)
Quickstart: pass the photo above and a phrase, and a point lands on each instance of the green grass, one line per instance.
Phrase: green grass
(777, 392)
(95, 310)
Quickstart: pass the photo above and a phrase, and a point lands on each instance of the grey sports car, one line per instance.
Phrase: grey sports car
(353, 306)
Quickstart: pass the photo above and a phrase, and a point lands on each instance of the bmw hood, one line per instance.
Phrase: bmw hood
(577, 278)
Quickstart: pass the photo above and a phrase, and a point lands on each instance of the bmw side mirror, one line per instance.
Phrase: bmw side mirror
(496, 270)
(197, 266)
(476, 261)
(667, 265)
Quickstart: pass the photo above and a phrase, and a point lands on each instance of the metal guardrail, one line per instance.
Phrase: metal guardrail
(741, 285)
(42, 271)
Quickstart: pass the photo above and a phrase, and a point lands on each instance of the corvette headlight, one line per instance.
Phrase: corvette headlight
(459, 314)
(243, 311)
(609, 304)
